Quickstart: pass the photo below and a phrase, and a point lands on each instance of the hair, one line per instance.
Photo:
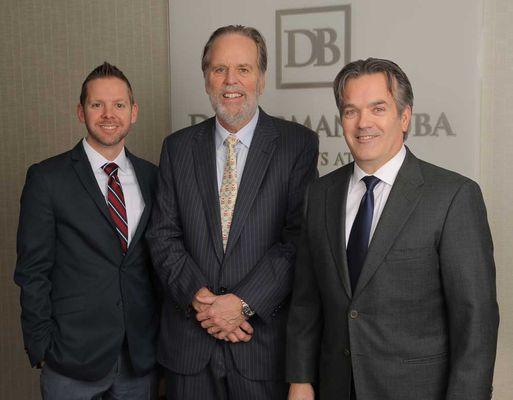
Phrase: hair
(105, 70)
(397, 82)
(246, 31)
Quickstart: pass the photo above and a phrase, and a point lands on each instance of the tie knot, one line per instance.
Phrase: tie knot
(370, 181)
(110, 168)
(231, 140)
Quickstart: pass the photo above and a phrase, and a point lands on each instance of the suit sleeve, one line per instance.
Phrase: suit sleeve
(179, 274)
(305, 316)
(35, 248)
(468, 277)
(270, 282)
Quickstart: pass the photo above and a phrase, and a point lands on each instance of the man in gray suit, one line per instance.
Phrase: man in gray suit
(223, 232)
(394, 295)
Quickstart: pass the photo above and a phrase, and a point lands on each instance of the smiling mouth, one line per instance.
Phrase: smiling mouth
(232, 95)
(108, 127)
(365, 138)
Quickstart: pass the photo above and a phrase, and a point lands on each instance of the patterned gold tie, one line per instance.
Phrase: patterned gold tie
(228, 193)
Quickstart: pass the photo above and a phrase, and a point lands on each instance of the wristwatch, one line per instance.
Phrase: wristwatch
(246, 309)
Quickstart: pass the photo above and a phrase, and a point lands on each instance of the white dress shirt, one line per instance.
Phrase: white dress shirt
(387, 174)
(134, 202)
(245, 136)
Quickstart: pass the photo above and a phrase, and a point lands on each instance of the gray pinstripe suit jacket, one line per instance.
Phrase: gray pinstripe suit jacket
(187, 251)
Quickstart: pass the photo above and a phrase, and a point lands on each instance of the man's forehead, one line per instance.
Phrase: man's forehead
(368, 84)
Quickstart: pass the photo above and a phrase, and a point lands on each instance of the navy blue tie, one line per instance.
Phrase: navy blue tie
(360, 232)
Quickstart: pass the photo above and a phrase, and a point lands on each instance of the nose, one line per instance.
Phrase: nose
(108, 111)
(364, 120)
(231, 77)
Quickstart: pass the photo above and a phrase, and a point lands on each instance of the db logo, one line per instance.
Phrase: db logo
(321, 40)
(312, 44)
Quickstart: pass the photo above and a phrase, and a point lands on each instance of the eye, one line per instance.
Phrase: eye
(95, 105)
(379, 109)
(244, 70)
(120, 105)
(219, 70)
(349, 113)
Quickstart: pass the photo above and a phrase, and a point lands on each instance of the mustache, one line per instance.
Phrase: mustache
(234, 88)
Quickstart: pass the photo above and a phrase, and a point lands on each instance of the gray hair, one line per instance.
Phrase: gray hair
(246, 31)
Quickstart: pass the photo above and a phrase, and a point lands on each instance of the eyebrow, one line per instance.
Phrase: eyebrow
(372, 104)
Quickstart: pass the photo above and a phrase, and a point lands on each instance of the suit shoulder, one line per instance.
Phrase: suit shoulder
(338, 176)
(184, 135)
(54, 164)
(436, 175)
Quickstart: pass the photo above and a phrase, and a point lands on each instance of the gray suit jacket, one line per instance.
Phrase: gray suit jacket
(422, 322)
(187, 250)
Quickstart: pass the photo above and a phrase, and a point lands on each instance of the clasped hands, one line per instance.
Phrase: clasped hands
(221, 316)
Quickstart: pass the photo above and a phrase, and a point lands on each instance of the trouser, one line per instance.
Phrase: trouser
(221, 380)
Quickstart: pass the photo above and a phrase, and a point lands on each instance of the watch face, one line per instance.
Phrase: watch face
(247, 311)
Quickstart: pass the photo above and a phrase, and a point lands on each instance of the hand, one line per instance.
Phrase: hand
(243, 333)
(301, 391)
(223, 316)
(197, 304)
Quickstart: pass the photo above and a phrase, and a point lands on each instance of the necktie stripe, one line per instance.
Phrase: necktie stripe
(118, 214)
(116, 204)
(117, 196)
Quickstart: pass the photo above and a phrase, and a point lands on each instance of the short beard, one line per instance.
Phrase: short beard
(245, 113)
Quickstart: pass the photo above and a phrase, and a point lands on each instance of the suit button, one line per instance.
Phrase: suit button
(353, 314)
(222, 290)
(347, 352)
(119, 304)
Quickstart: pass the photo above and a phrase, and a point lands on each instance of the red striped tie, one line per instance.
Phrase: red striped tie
(116, 204)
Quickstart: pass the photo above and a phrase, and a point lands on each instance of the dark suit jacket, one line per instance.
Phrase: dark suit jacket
(187, 250)
(79, 295)
(422, 322)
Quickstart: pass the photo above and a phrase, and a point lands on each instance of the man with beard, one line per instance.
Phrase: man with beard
(223, 231)
(89, 313)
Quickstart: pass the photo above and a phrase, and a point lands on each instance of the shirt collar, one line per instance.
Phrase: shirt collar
(387, 173)
(97, 160)
(245, 134)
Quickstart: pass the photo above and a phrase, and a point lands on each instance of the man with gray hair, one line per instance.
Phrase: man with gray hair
(223, 232)
(394, 294)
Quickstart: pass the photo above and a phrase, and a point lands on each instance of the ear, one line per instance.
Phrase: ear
(80, 113)
(205, 76)
(261, 84)
(406, 118)
(134, 112)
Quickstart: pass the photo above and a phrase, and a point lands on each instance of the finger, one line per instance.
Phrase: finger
(207, 323)
(241, 335)
(213, 330)
(233, 338)
(202, 316)
(206, 299)
(246, 327)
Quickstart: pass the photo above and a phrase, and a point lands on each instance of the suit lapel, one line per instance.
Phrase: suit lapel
(401, 202)
(336, 197)
(85, 173)
(143, 182)
(259, 155)
(203, 150)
